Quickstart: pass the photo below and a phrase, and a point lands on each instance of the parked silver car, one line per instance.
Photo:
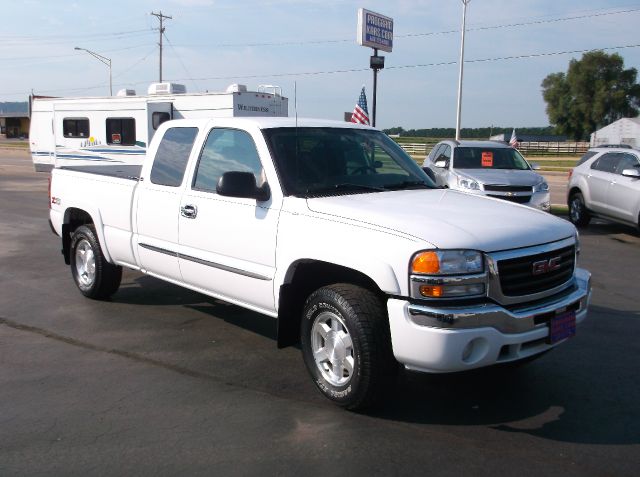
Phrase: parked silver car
(606, 183)
(487, 168)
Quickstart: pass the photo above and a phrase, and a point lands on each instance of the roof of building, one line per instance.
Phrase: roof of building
(13, 115)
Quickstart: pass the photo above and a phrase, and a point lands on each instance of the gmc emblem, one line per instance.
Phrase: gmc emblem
(546, 266)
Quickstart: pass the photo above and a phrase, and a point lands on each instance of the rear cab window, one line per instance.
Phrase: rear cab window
(172, 156)
(587, 155)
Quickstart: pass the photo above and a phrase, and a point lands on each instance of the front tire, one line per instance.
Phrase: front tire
(578, 213)
(346, 345)
(94, 276)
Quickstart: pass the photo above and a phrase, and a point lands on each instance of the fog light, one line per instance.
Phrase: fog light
(475, 350)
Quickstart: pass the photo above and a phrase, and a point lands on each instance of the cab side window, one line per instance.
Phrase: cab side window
(607, 163)
(172, 156)
(226, 150)
(628, 161)
(444, 155)
(436, 152)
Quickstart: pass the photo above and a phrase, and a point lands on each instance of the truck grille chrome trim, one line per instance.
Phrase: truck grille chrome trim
(517, 285)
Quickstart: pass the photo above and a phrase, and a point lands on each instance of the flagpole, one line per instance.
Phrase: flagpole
(464, 20)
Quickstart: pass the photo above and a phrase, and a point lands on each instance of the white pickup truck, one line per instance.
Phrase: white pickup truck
(331, 229)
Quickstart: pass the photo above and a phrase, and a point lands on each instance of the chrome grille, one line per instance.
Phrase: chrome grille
(517, 277)
(507, 188)
(518, 199)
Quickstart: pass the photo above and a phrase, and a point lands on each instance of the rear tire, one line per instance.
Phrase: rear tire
(94, 276)
(578, 213)
(346, 345)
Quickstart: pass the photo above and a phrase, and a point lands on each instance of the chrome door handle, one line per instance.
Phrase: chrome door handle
(189, 211)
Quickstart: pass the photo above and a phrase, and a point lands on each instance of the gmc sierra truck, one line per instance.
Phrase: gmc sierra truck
(334, 231)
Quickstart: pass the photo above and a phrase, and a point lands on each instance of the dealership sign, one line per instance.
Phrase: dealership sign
(375, 30)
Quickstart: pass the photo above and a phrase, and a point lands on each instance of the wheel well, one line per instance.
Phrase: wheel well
(304, 278)
(73, 218)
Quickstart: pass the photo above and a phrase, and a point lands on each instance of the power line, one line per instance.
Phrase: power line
(355, 70)
(183, 65)
(421, 34)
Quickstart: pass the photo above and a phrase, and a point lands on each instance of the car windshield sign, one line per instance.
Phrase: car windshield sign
(488, 158)
(313, 162)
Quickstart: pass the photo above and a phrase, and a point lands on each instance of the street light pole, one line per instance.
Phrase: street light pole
(104, 60)
(464, 20)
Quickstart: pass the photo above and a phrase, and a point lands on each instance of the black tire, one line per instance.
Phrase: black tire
(94, 276)
(359, 315)
(578, 213)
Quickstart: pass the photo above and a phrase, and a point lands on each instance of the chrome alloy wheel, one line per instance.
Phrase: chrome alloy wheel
(332, 348)
(85, 263)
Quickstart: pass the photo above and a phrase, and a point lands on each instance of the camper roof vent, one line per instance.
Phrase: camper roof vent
(237, 88)
(126, 92)
(270, 89)
(167, 88)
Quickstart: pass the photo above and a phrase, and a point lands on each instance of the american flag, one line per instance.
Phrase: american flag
(513, 142)
(360, 112)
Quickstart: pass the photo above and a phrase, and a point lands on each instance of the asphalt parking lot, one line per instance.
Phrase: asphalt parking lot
(165, 381)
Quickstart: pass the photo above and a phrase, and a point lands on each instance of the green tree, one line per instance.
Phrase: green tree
(595, 91)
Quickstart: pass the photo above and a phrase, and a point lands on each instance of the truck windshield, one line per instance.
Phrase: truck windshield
(488, 158)
(314, 162)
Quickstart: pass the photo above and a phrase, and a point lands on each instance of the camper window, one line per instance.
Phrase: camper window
(121, 131)
(75, 127)
(158, 117)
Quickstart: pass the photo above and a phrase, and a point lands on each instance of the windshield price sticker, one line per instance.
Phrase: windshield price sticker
(487, 159)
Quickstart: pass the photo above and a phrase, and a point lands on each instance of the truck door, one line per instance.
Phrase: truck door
(158, 203)
(157, 113)
(227, 244)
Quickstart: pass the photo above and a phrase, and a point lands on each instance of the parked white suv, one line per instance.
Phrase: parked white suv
(606, 183)
(489, 168)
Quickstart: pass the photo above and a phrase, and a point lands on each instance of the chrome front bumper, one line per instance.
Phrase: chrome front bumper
(444, 339)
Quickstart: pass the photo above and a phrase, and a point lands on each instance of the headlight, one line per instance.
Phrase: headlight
(447, 262)
(542, 187)
(469, 184)
(448, 274)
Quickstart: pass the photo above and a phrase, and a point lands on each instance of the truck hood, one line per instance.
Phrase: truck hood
(511, 177)
(448, 219)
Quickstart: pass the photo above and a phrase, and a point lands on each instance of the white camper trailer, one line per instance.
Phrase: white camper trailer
(117, 129)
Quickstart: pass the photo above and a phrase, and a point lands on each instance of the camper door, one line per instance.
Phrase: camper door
(157, 113)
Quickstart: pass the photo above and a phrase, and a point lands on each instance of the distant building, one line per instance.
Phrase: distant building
(622, 131)
(14, 125)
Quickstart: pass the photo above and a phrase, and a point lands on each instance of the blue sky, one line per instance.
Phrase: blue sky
(212, 43)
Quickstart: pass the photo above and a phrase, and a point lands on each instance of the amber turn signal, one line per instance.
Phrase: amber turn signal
(426, 262)
(431, 291)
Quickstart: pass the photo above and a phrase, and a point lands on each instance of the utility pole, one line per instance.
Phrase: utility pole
(459, 114)
(161, 17)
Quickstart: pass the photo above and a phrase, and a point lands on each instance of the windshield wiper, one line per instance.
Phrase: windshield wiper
(344, 187)
(408, 185)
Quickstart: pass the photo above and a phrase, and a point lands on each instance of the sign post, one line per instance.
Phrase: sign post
(375, 31)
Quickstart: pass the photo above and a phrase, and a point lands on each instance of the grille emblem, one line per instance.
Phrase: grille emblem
(546, 266)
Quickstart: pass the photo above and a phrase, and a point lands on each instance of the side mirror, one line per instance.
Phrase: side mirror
(534, 166)
(243, 185)
(440, 163)
(635, 173)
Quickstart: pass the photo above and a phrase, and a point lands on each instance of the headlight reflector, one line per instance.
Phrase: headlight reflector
(469, 184)
(447, 262)
(542, 187)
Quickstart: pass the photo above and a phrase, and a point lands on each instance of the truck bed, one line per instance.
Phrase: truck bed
(130, 172)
